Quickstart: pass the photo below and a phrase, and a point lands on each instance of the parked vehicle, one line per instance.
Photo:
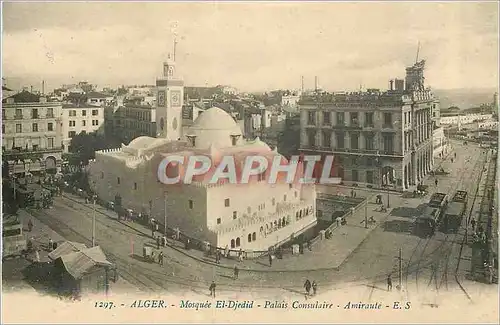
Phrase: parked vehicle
(439, 171)
(454, 212)
(426, 223)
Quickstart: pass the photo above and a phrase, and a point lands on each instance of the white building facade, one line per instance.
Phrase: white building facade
(465, 119)
(251, 217)
(77, 119)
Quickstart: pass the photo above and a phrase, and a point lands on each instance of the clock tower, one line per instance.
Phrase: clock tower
(169, 101)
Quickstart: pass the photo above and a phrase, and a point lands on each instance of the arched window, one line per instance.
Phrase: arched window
(238, 242)
(297, 215)
(232, 243)
(249, 238)
(300, 214)
(284, 221)
(254, 236)
(261, 229)
(288, 220)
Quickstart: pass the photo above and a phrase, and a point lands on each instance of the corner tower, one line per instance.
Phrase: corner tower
(169, 101)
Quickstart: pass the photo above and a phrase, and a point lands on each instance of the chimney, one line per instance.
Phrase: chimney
(31, 89)
(316, 83)
(391, 82)
(43, 87)
(302, 84)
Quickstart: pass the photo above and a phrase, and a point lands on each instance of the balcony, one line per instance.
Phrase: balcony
(49, 115)
(311, 123)
(20, 152)
(18, 116)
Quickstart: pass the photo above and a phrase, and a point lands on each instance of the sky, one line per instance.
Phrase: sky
(251, 46)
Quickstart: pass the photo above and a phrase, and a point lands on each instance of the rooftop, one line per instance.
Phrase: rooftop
(79, 263)
(80, 105)
(355, 97)
(24, 97)
(95, 94)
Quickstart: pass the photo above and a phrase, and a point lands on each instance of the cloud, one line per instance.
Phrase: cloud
(253, 46)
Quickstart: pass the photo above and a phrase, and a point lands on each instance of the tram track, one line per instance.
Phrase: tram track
(444, 249)
(148, 279)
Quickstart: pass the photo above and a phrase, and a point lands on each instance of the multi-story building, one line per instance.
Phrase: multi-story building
(31, 133)
(80, 118)
(131, 121)
(377, 139)
(460, 119)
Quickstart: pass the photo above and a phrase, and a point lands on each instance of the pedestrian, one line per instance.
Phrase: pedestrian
(436, 182)
(187, 245)
(212, 289)
(270, 259)
(37, 256)
(309, 245)
(153, 256)
(473, 223)
(51, 244)
(236, 272)
(338, 221)
(389, 283)
(307, 286)
(240, 255)
(158, 242)
(226, 251)
(30, 225)
(217, 256)
(314, 287)
(160, 258)
(352, 193)
(455, 155)
(153, 230)
(156, 227)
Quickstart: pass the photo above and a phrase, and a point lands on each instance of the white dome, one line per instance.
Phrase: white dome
(214, 127)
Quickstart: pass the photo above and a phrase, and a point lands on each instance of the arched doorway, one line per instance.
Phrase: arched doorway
(388, 176)
(51, 165)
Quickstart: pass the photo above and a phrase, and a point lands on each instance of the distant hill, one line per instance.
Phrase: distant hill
(464, 98)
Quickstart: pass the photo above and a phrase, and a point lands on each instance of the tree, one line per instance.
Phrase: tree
(84, 146)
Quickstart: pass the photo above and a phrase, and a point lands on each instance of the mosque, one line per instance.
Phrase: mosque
(251, 217)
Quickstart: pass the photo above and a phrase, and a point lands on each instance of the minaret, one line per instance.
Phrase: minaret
(169, 102)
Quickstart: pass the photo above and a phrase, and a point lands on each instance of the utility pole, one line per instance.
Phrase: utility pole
(165, 221)
(400, 269)
(14, 185)
(93, 221)
(366, 215)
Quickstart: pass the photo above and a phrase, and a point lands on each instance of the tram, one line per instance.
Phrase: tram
(454, 212)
